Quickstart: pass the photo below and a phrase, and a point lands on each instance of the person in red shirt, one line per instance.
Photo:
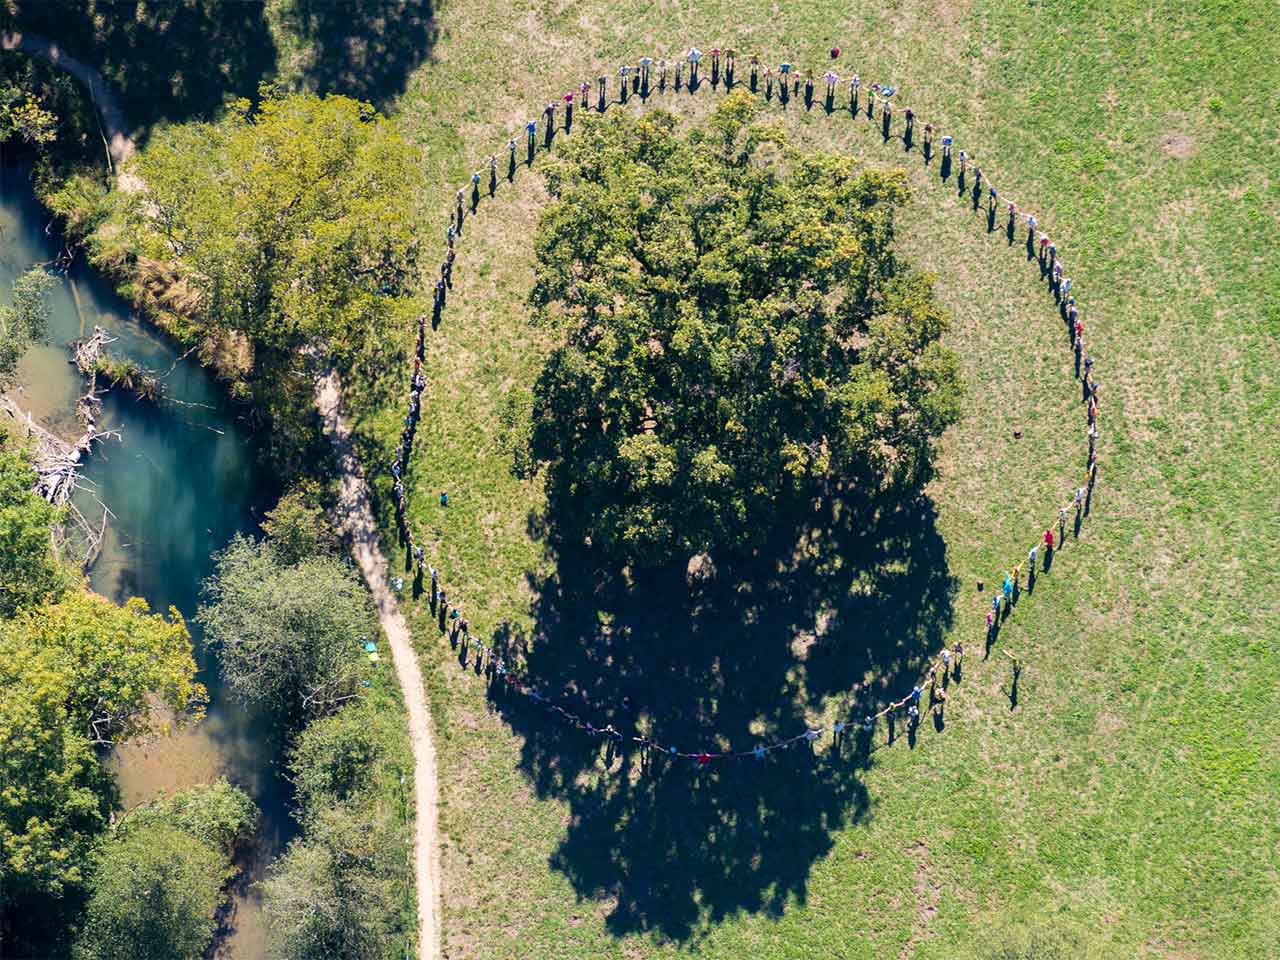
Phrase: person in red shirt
(1048, 541)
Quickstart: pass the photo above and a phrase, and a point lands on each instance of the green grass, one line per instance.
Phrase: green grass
(1129, 801)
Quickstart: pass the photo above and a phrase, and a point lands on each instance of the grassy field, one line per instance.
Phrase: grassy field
(1127, 805)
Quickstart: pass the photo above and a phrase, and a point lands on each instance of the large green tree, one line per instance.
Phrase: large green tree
(739, 333)
(54, 795)
(292, 220)
(128, 671)
(154, 895)
(342, 889)
(75, 674)
(289, 635)
(161, 875)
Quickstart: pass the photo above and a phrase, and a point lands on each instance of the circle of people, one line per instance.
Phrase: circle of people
(640, 80)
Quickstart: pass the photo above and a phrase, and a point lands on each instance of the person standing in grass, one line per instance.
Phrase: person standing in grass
(1048, 543)
(853, 94)
(1079, 350)
(927, 144)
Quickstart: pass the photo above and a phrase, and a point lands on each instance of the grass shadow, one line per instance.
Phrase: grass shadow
(365, 50)
(747, 655)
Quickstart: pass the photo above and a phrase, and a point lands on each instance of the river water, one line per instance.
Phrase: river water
(181, 482)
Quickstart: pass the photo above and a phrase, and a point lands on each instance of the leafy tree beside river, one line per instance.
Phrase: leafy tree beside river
(283, 234)
(77, 673)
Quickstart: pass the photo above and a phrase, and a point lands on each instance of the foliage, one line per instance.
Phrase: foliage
(22, 116)
(56, 796)
(44, 110)
(24, 322)
(219, 815)
(29, 569)
(154, 895)
(127, 670)
(336, 891)
(132, 376)
(297, 527)
(338, 758)
(740, 334)
(289, 636)
(293, 221)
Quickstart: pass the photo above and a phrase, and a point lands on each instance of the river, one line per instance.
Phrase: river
(182, 481)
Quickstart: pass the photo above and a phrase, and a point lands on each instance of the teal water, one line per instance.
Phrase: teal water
(181, 481)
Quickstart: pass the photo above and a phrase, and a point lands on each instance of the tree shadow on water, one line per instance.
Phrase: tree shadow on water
(745, 656)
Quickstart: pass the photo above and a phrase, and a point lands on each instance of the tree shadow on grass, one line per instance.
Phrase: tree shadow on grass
(746, 657)
(169, 60)
(365, 50)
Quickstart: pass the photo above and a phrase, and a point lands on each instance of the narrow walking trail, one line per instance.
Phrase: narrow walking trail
(356, 525)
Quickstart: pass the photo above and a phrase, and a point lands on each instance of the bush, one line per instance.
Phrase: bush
(154, 895)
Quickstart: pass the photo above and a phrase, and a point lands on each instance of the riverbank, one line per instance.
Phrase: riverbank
(157, 292)
(181, 479)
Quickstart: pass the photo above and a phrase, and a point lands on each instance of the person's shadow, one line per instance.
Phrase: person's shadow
(1012, 692)
(720, 655)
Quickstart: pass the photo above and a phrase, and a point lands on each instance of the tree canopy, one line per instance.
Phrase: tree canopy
(56, 797)
(289, 635)
(29, 569)
(154, 895)
(161, 872)
(341, 890)
(739, 332)
(288, 220)
(127, 669)
(297, 528)
(76, 673)
(25, 321)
